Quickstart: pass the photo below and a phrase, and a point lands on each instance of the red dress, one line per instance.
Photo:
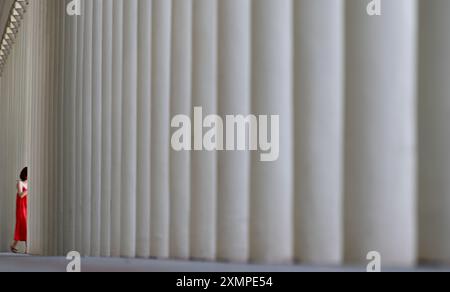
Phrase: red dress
(21, 217)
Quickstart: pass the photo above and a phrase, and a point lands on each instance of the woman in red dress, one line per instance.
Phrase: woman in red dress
(21, 211)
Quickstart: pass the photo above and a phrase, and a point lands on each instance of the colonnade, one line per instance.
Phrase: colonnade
(363, 141)
(15, 124)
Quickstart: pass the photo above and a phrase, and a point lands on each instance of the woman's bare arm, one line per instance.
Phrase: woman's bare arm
(20, 190)
(24, 194)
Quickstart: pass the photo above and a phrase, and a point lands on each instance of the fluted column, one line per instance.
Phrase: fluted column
(271, 234)
(5, 124)
(204, 163)
(69, 97)
(181, 103)
(144, 129)
(79, 130)
(46, 103)
(2, 155)
(52, 204)
(96, 176)
(3, 243)
(39, 133)
(129, 129)
(161, 14)
(234, 99)
(318, 126)
(380, 152)
(87, 129)
(35, 171)
(10, 138)
(434, 136)
(49, 137)
(3, 183)
(107, 119)
(9, 142)
(116, 125)
(60, 123)
(29, 124)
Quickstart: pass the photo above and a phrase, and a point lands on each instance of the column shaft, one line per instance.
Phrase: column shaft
(79, 131)
(271, 235)
(380, 133)
(107, 120)
(96, 175)
(144, 129)
(87, 130)
(116, 124)
(129, 130)
(160, 128)
(204, 163)
(181, 103)
(318, 127)
(69, 97)
(234, 99)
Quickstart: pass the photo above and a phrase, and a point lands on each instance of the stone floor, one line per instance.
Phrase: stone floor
(21, 263)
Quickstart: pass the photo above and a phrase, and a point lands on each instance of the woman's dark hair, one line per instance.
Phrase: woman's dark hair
(24, 174)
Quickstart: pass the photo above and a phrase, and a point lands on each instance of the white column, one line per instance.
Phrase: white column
(160, 128)
(144, 129)
(2, 154)
(9, 123)
(53, 138)
(96, 175)
(49, 148)
(434, 136)
(5, 153)
(234, 99)
(41, 129)
(69, 131)
(204, 163)
(116, 124)
(50, 203)
(107, 119)
(380, 207)
(181, 94)
(3, 182)
(271, 235)
(9, 173)
(46, 102)
(60, 124)
(87, 129)
(28, 28)
(4, 142)
(3, 243)
(318, 126)
(129, 130)
(34, 201)
(40, 135)
(79, 129)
